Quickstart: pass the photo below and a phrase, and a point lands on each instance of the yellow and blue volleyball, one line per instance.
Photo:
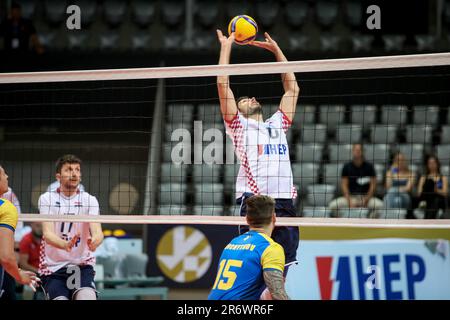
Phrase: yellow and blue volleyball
(244, 28)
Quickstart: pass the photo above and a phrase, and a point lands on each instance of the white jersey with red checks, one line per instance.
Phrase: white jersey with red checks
(56, 203)
(263, 151)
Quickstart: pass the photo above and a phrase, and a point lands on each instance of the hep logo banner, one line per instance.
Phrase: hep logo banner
(346, 278)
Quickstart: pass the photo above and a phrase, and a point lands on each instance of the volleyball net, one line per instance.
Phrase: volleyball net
(155, 149)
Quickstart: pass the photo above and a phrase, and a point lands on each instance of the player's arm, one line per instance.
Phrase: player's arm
(54, 240)
(345, 190)
(275, 283)
(444, 190)
(23, 262)
(291, 89)
(228, 105)
(96, 236)
(371, 192)
(420, 186)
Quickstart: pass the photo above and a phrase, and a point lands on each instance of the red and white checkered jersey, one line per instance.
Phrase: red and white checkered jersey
(56, 203)
(264, 154)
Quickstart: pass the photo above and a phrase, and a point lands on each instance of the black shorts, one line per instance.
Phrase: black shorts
(287, 237)
(61, 284)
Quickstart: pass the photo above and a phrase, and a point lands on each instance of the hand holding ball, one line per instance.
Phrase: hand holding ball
(244, 28)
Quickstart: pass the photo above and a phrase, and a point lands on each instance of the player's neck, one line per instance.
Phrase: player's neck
(68, 192)
(267, 230)
(257, 117)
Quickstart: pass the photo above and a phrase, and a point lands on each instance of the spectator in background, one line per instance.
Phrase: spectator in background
(19, 34)
(432, 189)
(30, 247)
(399, 184)
(358, 184)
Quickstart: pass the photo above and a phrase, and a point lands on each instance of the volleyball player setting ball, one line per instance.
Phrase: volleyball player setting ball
(265, 168)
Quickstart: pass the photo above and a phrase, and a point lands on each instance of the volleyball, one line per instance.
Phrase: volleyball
(244, 28)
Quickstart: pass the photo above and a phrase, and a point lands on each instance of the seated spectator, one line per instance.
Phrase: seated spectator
(399, 184)
(432, 189)
(29, 248)
(358, 183)
(19, 34)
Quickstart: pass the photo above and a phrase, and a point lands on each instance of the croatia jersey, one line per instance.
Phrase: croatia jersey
(56, 203)
(263, 151)
(241, 266)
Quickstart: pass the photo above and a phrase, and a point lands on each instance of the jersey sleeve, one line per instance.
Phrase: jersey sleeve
(8, 215)
(44, 204)
(273, 258)
(94, 208)
(281, 120)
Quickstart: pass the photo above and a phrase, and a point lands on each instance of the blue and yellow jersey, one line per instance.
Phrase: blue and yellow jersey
(241, 265)
(8, 215)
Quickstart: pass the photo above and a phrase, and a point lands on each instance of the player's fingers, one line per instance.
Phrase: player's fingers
(266, 34)
(219, 33)
(31, 285)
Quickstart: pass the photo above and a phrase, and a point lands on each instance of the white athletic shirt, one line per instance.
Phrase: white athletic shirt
(54, 202)
(264, 154)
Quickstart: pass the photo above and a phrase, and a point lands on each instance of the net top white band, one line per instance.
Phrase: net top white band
(384, 62)
(232, 220)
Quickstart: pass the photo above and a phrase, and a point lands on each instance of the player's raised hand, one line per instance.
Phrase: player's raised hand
(72, 242)
(224, 40)
(30, 279)
(269, 44)
(93, 243)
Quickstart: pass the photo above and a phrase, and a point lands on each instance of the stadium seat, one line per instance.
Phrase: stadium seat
(332, 115)
(393, 213)
(266, 12)
(172, 193)
(206, 12)
(354, 13)
(28, 8)
(380, 171)
(315, 212)
(208, 173)
(304, 114)
(332, 173)
(170, 127)
(172, 13)
(143, 12)
(313, 133)
(47, 39)
(425, 42)
(299, 41)
(209, 113)
(362, 43)
(377, 153)
(419, 134)
(208, 194)
(340, 152)
(296, 13)
(114, 12)
(426, 114)
(169, 147)
(170, 210)
(109, 41)
(394, 42)
(88, 12)
(349, 133)
(443, 153)
(172, 40)
(112, 266)
(326, 12)
(178, 113)
(394, 114)
(237, 7)
(55, 11)
(216, 210)
(353, 213)
(230, 173)
(135, 266)
(204, 40)
(445, 135)
(383, 133)
(309, 152)
(413, 152)
(141, 41)
(320, 194)
(305, 174)
(363, 114)
(171, 172)
(330, 42)
(77, 40)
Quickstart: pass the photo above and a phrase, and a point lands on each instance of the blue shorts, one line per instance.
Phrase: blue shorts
(287, 237)
(56, 284)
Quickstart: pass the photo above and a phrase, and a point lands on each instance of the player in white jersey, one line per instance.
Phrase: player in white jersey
(261, 145)
(67, 260)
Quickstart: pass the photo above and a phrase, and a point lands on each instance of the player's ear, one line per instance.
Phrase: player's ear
(246, 219)
(274, 218)
(58, 176)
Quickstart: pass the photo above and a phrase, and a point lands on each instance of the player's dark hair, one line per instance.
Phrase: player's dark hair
(260, 209)
(67, 158)
(241, 98)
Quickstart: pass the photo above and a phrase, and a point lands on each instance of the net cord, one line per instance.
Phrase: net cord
(233, 220)
(382, 62)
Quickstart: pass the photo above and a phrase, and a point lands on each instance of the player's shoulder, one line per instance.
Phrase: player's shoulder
(8, 208)
(88, 198)
(5, 203)
(47, 195)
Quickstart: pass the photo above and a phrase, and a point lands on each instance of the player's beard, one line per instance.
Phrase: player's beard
(255, 110)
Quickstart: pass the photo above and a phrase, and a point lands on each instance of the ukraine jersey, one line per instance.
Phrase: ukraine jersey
(8, 215)
(241, 266)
